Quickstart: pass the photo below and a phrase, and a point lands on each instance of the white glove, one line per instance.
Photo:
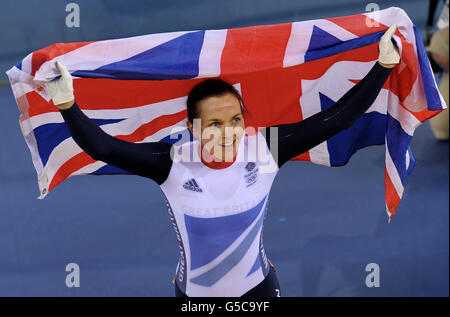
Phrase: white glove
(61, 89)
(388, 52)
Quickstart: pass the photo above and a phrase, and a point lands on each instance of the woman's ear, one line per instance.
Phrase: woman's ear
(189, 125)
(191, 128)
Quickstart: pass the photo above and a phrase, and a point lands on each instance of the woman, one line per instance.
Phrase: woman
(217, 202)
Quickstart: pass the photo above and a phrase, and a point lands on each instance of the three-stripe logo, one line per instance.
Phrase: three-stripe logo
(192, 185)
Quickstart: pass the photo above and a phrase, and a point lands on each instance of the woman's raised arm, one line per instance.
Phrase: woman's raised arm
(150, 159)
(296, 138)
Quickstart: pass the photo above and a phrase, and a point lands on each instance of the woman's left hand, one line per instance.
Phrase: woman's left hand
(389, 55)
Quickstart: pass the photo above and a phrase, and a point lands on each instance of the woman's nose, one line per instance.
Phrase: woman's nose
(227, 131)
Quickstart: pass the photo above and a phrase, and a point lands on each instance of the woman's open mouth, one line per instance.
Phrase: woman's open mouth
(227, 145)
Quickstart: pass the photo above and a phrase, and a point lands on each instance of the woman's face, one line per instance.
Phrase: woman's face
(221, 124)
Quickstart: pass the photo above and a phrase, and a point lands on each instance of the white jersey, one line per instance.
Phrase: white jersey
(218, 218)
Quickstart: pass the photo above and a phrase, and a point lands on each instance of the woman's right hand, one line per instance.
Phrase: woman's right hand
(61, 89)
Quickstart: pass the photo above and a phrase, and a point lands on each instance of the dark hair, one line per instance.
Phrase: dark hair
(211, 87)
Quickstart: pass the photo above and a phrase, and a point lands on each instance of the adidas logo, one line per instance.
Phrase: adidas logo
(192, 185)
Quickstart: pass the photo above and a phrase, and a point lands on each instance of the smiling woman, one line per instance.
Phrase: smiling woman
(218, 108)
(218, 208)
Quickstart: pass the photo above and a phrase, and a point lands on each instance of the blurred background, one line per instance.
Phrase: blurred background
(117, 229)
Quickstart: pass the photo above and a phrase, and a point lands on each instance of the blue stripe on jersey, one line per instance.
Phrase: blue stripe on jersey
(255, 266)
(49, 135)
(174, 59)
(210, 277)
(209, 237)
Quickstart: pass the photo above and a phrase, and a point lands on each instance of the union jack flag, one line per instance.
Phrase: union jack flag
(136, 89)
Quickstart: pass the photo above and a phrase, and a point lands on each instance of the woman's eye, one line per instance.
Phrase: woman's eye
(237, 119)
(215, 124)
